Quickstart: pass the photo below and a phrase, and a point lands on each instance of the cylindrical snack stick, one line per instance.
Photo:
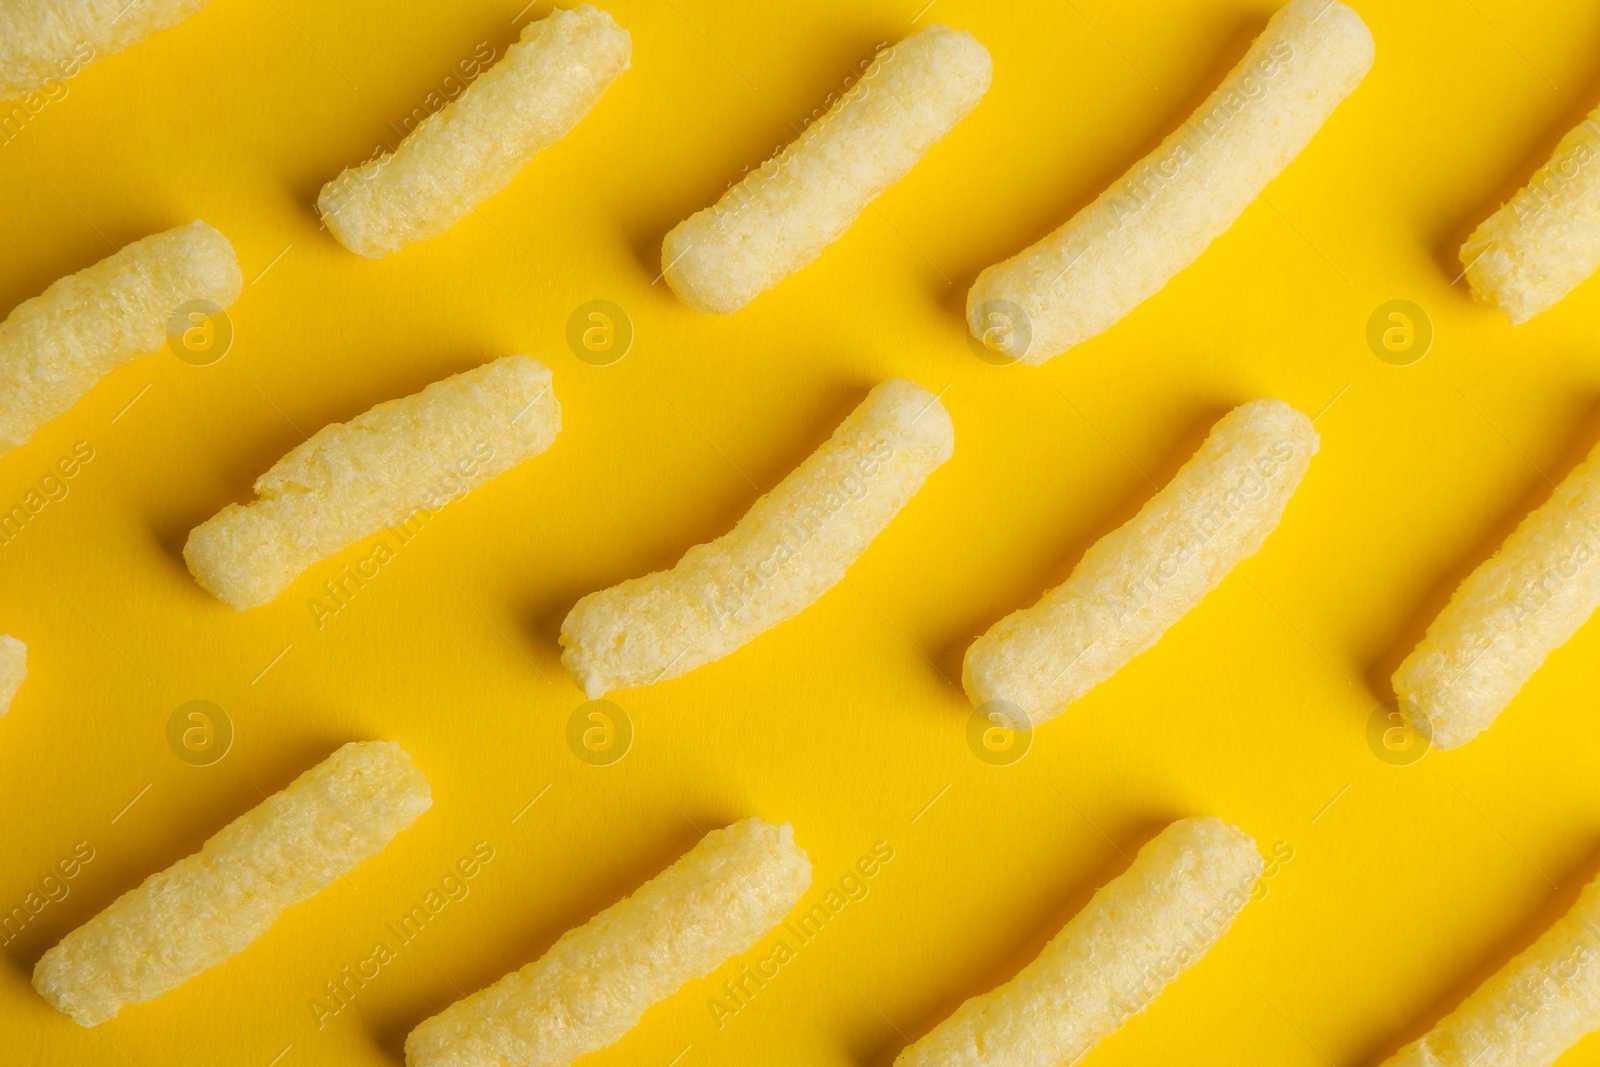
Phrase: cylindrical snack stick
(45, 41)
(471, 149)
(782, 216)
(1138, 933)
(13, 670)
(1124, 248)
(598, 980)
(353, 479)
(212, 905)
(1530, 1011)
(1545, 241)
(1141, 578)
(56, 346)
(792, 546)
(1520, 605)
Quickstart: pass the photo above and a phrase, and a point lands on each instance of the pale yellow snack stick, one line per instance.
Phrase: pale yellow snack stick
(1124, 248)
(44, 41)
(1521, 604)
(598, 980)
(13, 670)
(471, 149)
(1141, 578)
(1545, 241)
(212, 905)
(1530, 1011)
(1138, 933)
(56, 346)
(782, 216)
(792, 546)
(353, 479)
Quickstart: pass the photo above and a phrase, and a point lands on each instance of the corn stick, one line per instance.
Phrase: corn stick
(782, 216)
(471, 149)
(1530, 1011)
(1139, 932)
(598, 980)
(212, 905)
(792, 546)
(1141, 578)
(1124, 248)
(353, 479)
(56, 346)
(1520, 605)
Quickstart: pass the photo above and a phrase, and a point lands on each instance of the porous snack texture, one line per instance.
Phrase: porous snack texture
(1124, 248)
(782, 216)
(598, 980)
(1520, 605)
(471, 149)
(13, 670)
(212, 905)
(1532, 1010)
(1139, 932)
(791, 547)
(56, 346)
(44, 41)
(1545, 241)
(353, 479)
(1141, 578)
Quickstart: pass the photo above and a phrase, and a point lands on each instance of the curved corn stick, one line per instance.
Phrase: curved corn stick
(1143, 929)
(598, 980)
(1530, 1011)
(43, 41)
(1124, 248)
(1520, 605)
(56, 346)
(13, 670)
(464, 154)
(800, 201)
(1141, 578)
(212, 905)
(353, 479)
(792, 546)
(1545, 241)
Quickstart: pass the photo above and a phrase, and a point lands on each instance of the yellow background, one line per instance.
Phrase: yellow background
(1399, 898)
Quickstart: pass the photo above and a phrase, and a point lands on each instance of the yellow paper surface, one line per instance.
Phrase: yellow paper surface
(847, 721)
